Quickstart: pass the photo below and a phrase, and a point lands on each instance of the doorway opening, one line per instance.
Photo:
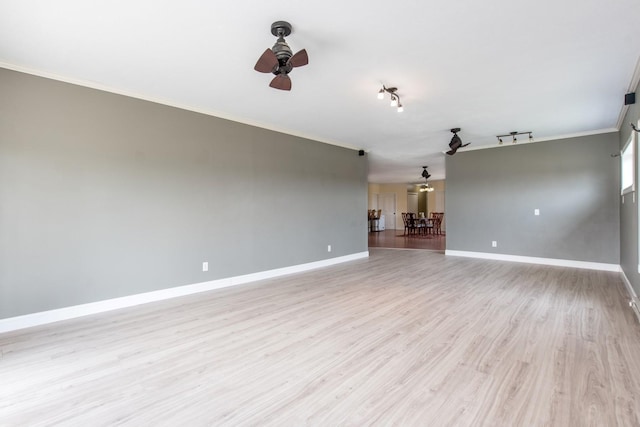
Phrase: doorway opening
(396, 200)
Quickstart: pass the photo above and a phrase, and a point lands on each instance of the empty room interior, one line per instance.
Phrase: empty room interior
(183, 238)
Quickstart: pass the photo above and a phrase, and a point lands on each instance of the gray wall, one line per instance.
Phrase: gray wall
(103, 196)
(629, 212)
(491, 195)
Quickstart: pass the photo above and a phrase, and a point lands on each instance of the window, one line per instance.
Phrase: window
(627, 169)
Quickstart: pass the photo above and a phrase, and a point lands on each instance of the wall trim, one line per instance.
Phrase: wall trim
(634, 303)
(535, 260)
(635, 80)
(226, 116)
(72, 312)
(162, 101)
(536, 140)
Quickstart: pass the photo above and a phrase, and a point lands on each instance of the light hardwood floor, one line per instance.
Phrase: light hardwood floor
(402, 338)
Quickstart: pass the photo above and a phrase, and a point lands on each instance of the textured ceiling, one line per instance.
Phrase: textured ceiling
(556, 68)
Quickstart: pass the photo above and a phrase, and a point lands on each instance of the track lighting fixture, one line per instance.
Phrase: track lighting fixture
(395, 98)
(514, 135)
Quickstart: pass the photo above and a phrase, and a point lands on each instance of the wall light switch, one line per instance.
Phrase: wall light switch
(536, 211)
(205, 266)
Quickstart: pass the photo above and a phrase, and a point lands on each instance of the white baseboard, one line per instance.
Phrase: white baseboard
(535, 260)
(50, 316)
(634, 303)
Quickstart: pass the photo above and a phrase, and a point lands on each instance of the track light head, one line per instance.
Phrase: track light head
(513, 135)
(395, 98)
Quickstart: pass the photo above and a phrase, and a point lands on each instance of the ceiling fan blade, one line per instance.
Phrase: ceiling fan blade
(267, 62)
(281, 81)
(299, 59)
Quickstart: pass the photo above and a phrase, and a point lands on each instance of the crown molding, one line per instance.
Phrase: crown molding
(635, 79)
(549, 138)
(169, 103)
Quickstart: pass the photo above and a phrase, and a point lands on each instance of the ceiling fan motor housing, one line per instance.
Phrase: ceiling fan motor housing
(455, 139)
(281, 49)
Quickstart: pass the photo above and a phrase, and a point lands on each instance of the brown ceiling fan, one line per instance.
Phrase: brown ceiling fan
(280, 59)
(456, 142)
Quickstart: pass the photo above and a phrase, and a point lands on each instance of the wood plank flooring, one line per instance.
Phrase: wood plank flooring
(402, 338)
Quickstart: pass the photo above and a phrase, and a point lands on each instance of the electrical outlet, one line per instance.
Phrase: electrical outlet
(536, 212)
(494, 243)
(205, 266)
(328, 248)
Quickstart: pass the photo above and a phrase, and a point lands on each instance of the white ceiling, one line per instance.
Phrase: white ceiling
(554, 67)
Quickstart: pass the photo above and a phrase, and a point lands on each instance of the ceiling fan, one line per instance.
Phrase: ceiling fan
(425, 174)
(280, 59)
(456, 142)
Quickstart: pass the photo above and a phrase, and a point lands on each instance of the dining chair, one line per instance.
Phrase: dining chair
(437, 218)
(405, 221)
(415, 225)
